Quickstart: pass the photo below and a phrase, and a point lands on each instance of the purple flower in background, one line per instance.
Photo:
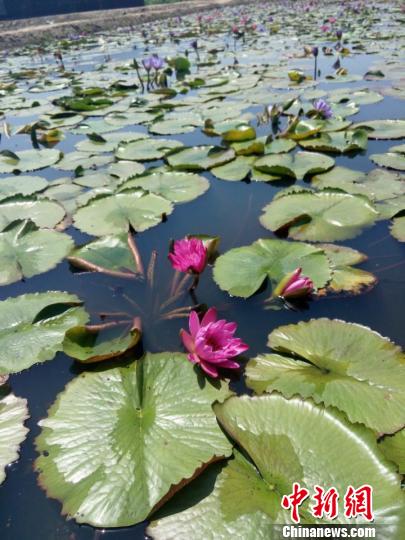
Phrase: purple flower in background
(323, 108)
(194, 44)
(339, 34)
(147, 64)
(156, 62)
(315, 51)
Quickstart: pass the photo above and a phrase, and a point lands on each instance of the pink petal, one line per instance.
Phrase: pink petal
(210, 370)
(209, 317)
(187, 340)
(194, 323)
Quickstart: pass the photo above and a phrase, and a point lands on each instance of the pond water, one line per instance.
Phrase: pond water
(229, 210)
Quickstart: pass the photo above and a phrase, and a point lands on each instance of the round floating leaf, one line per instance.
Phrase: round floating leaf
(321, 216)
(126, 169)
(177, 187)
(339, 141)
(175, 126)
(109, 254)
(345, 277)
(383, 129)
(13, 413)
(33, 326)
(393, 448)
(42, 212)
(377, 185)
(90, 344)
(235, 170)
(392, 160)
(26, 251)
(239, 134)
(279, 146)
(340, 364)
(398, 228)
(287, 441)
(28, 160)
(241, 271)
(21, 185)
(146, 149)
(295, 166)
(200, 158)
(115, 213)
(108, 142)
(134, 434)
(84, 160)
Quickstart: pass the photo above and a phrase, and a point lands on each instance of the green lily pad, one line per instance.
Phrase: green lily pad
(398, 228)
(21, 185)
(13, 413)
(241, 271)
(33, 326)
(146, 149)
(339, 141)
(286, 441)
(392, 160)
(235, 170)
(177, 187)
(108, 254)
(383, 129)
(393, 448)
(28, 160)
(345, 278)
(339, 364)
(295, 166)
(239, 134)
(126, 169)
(44, 213)
(377, 185)
(26, 251)
(108, 142)
(133, 437)
(200, 158)
(84, 160)
(90, 344)
(321, 216)
(115, 213)
(279, 146)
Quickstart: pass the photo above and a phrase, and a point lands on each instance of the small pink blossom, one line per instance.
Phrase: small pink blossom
(325, 28)
(189, 255)
(211, 343)
(294, 285)
(332, 20)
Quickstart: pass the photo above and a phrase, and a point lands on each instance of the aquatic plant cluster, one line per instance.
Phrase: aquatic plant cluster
(109, 137)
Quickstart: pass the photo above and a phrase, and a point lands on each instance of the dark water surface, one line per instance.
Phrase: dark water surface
(228, 209)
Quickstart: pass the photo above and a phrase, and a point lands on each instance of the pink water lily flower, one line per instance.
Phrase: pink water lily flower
(294, 285)
(211, 343)
(189, 255)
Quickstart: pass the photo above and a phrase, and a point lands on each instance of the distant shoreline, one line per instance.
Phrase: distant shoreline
(37, 31)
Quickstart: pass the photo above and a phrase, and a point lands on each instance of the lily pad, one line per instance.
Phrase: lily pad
(322, 216)
(295, 166)
(241, 271)
(26, 251)
(84, 160)
(112, 214)
(33, 326)
(339, 142)
(383, 129)
(200, 158)
(108, 254)
(398, 228)
(89, 344)
(177, 187)
(339, 364)
(392, 160)
(13, 413)
(28, 160)
(44, 213)
(146, 149)
(286, 441)
(345, 278)
(133, 437)
(21, 185)
(235, 170)
(393, 448)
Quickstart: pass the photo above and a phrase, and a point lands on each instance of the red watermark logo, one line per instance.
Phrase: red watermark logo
(357, 502)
